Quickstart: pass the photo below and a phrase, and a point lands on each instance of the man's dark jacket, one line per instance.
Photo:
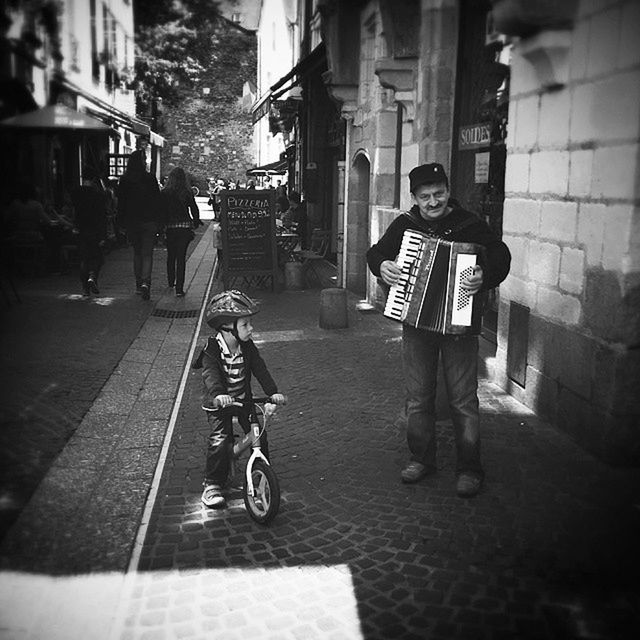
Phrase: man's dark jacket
(459, 225)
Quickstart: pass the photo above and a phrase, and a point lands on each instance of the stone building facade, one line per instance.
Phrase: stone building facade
(572, 223)
(535, 109)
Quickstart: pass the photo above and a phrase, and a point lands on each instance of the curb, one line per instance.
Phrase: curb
(85, 513)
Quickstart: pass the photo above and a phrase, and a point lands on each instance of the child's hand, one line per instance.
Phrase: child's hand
(278, 398)
(223, 401)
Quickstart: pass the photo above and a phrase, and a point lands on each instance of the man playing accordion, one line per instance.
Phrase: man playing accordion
(436, 216)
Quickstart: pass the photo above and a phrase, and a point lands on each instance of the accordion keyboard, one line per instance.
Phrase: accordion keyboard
(410, 255)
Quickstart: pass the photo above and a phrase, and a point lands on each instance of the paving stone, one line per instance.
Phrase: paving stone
(352, 550)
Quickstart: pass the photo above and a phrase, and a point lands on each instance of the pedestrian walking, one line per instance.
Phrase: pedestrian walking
(180, 216)
(435, 214)
(214, 197)
(138, 213)
(90, 207)
(228, 362)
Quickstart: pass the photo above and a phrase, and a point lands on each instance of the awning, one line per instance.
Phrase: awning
(112, 119)
(55, 117)
(156, 139)
(301, 69)
(262, 106)
(106, 112)
(273, 168)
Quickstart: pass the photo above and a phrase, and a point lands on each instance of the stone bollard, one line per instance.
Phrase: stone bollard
(333, 308)
(293, 276)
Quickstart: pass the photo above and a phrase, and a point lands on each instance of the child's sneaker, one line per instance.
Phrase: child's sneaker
(212, 497)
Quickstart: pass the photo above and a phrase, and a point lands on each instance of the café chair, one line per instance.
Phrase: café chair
(319, 246)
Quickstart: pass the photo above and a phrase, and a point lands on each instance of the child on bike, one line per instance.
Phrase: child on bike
(228, 362)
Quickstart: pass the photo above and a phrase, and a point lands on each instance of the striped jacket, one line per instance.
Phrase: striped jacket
(214, 378)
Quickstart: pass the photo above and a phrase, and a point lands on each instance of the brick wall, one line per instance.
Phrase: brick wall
(572, 223)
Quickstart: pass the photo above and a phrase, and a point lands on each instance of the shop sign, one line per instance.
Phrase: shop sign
(475, 136)
(261, 109)
(482, 168)
(248, 234)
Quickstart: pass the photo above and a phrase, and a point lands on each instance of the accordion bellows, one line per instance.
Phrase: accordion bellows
(428, 294)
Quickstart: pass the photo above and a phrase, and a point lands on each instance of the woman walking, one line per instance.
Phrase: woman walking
(138, 213)
(180, 216)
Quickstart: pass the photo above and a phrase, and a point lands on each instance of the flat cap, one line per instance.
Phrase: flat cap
(427, 174)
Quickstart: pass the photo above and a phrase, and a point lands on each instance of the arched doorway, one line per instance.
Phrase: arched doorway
(358, 225)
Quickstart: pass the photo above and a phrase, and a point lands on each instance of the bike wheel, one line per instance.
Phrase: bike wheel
(195, 190)
(264, 504)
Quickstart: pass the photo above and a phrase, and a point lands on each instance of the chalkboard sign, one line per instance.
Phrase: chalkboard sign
(248, 227)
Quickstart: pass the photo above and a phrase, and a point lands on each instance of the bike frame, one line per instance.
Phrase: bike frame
(251, 439)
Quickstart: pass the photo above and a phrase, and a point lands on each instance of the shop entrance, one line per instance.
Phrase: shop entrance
(480, 124)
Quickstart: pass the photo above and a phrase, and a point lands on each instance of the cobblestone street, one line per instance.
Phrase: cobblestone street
(544, 552)
(106, 549)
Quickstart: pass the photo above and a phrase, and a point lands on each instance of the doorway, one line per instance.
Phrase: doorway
(480, 125)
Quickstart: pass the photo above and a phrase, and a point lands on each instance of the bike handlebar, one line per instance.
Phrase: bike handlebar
(247, 403)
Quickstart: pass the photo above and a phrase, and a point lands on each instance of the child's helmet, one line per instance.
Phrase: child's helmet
(228, 306)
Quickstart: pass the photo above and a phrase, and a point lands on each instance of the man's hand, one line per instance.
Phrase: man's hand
(390, 272)
(473, 283)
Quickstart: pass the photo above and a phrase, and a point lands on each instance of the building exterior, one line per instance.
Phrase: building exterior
(77, 55)
(534, 108)
(296, 115)
(569, 312)
(278, 51)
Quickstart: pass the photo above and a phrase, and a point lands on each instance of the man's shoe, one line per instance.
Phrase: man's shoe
(468, 485)
(413, 472)
(179, 294)
(146, 291)
(212, 497)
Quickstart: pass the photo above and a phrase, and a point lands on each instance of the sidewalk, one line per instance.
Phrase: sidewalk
(115, 543)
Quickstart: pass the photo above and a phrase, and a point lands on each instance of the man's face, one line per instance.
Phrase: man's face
(432, 200)
(244, 329)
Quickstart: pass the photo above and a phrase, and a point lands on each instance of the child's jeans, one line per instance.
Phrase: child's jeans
(220, 442)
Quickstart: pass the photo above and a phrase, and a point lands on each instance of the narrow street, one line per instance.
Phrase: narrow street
(115, 543)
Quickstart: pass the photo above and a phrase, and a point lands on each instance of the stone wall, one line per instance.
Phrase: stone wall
(424, 85)
(208, 132)
(209, 140)
(573, 226)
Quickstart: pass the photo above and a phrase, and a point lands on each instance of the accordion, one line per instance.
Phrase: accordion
(428, 294)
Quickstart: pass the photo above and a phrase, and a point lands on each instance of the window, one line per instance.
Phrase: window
(95, 64)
